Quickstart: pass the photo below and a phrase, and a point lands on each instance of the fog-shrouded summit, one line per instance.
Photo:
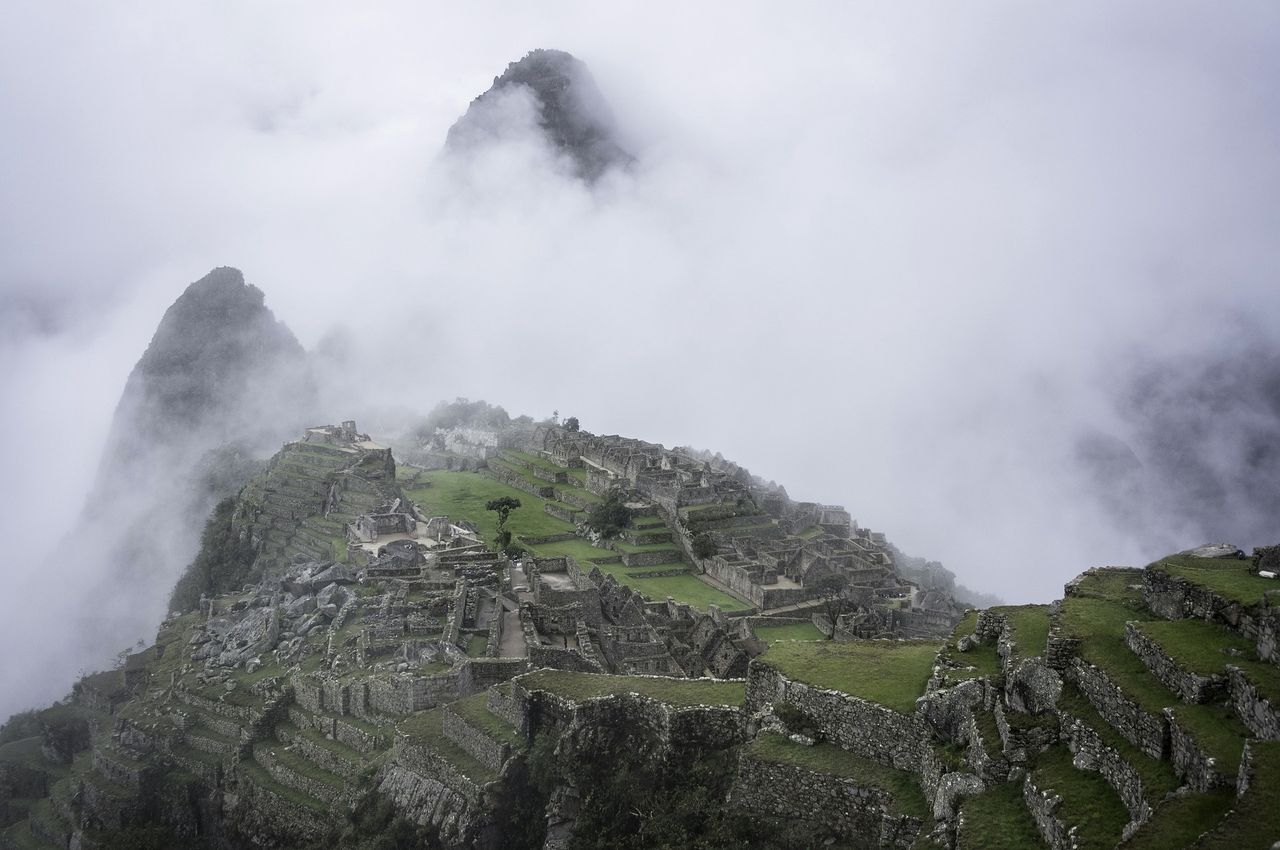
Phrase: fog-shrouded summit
(569, 109)
(215, 353)
(220, 386)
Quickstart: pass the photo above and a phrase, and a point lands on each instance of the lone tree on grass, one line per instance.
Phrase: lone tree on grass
(504, 506)
(832, 590)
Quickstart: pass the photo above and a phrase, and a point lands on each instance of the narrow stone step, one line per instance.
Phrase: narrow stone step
(292, 770)
(20, 836)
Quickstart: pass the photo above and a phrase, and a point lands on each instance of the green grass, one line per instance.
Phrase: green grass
(473, 710)
(462, 495)
(997, 820)
(534, 460)
(1201, 648)
(258, 775)
(688, 589)
(623, 546)
(1118, 584)
(427, 728)
(891, 673)
(796, 631)
(299, 765)
(1088, 802)
(477, 645)
(1100, 624)
(981, 661)
(1157, 777)
(1228, 578)
(676, 692)
(1028, 626)
(24, 752)
(833, 761)
(1180, 820)
(580, 550)
(1256, 819)
(810, 532)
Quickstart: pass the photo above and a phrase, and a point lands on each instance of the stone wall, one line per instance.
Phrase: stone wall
(1255, 710)
(1091, 753)
(484, 749)
(1175, 598)
(1043, 805)
(260, 812)
(1149, 732)
(405, 693)
(427, 798)
(1193, 765)
(864, 728)
(1191, 687)
(859, 816)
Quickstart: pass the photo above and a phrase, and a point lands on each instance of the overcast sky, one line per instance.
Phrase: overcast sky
(892, 257)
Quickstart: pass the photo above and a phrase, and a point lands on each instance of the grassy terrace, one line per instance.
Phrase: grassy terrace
(1228, 578)
(833, 761)
(1254, 822)
(676, 692)
(1100, 624)
(473, 710)
(534, 460)
(1203, 648)
(686, 588)
(259, 776)
(24, 753)
(980, 661)
(428, 728)
(1178, 822)
(997, 820)
(795, 631)
(1118, 584)
(462, 495)
(1158, 777)
(1088, 802)
(1028, 626)
(891, 673)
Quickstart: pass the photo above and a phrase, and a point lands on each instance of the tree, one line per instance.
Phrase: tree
(832, 589)
(704, 546)
(503, 506)
(571, 424)
(609, 517)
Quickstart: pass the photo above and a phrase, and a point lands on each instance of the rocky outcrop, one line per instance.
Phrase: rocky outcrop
(569, 112)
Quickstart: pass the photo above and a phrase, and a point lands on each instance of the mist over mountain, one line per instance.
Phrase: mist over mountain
(219, 387)
(1200, 451)
(556, 91)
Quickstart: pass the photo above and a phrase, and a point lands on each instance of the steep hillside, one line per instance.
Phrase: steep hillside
(380, 675)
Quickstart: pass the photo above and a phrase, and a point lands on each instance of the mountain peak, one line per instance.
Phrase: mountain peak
(571, 112)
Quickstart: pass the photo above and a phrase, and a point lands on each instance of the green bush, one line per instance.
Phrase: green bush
(704, 546)
(1266, 558)
(609, 517)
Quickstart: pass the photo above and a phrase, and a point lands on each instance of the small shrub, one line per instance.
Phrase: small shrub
(704, 546)
(609, 517)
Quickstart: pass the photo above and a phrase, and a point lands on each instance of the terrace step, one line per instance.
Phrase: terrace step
(470, 725)
(211, 741)
(1078, 808)
(19, 836)
(325, 753)
(293, 771)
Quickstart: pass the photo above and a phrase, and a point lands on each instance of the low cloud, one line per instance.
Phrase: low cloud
(896, 259)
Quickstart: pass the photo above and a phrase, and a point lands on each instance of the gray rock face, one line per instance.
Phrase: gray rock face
(1215, 550)
(571, 113)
